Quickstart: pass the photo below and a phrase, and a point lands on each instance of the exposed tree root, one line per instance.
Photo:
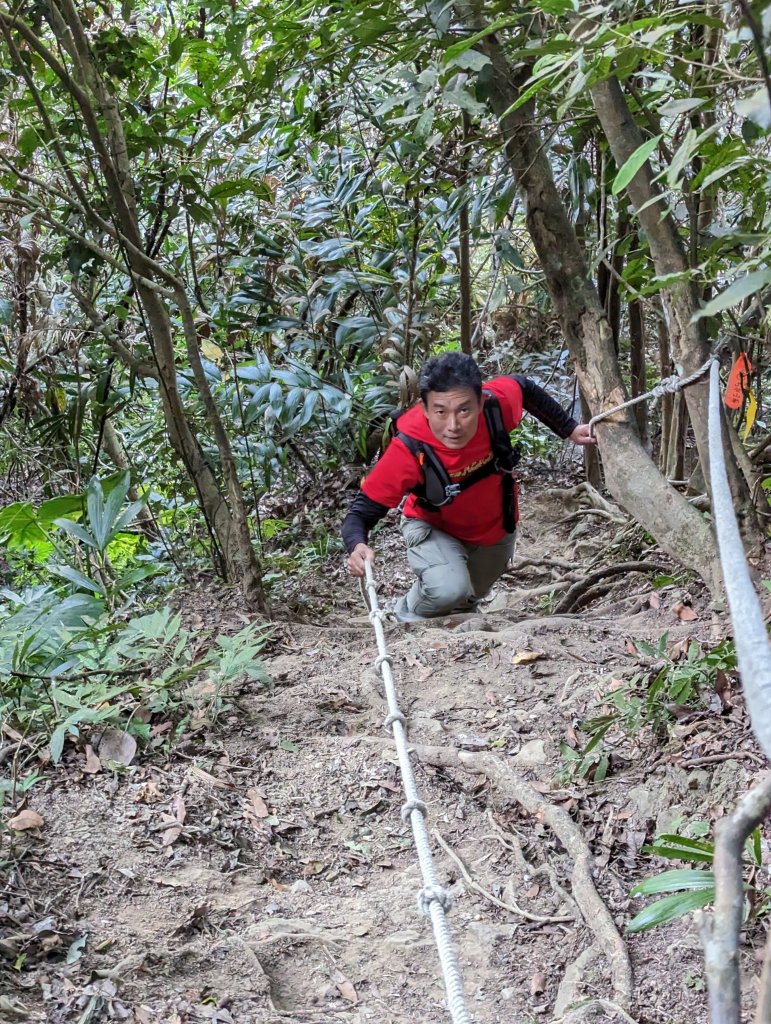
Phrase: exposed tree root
(544, 588)
(566, 603)
(584, 493)
(511, 907)
(568, 993)
(593, 910)
(544, 563)
(581, 1013)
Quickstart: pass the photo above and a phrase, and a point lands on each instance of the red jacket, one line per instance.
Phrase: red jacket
(476, 515)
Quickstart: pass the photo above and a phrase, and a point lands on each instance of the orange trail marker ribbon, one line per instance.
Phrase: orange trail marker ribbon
(738, 382)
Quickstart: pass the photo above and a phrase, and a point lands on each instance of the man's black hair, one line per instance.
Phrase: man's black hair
(448, 372)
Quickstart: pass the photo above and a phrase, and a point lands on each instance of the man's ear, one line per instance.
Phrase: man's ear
(424, 407)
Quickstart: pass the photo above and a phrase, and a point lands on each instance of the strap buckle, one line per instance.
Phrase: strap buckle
(452, 491)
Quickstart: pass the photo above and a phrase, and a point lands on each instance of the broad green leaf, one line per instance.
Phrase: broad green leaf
(127, 516)
(176, 48)
(741, 288)
(112, 507)
(633, 164)
(54, 508)
(56, 744)
(681, 879)
(76, 531)
(669, 908)
(20, 528)
(240, 187)
(454, 51)
(72, 575)
(674, 107)
(29, 140)
(670, 839)
(470, 60)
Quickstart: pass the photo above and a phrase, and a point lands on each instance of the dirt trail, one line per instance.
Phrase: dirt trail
(288, 893)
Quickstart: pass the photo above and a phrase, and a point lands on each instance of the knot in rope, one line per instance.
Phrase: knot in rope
(384, 659)
(396, 716)
(434, 894)
(413, 805)
(377, 613)
(667, 386)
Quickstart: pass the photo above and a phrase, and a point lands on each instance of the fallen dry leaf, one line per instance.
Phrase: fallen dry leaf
(93, 764)
(258, 807)
(172, 883)
(684, 613)
(723, 689)
(24, 820)
(533, 891)
(212, 780)
(345, 988)
(175, 820)
(523, 657)
(178, 808)
(148, 793)
(654, 600)
(537, 984)
(117, 746)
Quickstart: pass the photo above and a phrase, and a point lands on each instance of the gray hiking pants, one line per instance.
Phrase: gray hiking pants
(451, 574)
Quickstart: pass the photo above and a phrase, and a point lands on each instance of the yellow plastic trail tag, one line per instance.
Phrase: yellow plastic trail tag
(752, 411)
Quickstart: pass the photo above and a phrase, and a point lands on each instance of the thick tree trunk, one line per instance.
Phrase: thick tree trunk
(630, 474)
(689, 342)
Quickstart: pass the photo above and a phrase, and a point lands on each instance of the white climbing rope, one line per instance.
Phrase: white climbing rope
(433, 900)
(668, 386)
(752, 648)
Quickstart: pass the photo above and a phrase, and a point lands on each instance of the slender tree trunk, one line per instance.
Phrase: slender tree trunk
(592, 465)
(674, 467)
(639, 383)
(667, 402)
(630, 475)
(689, 341)
(154, 287)
(464, 266)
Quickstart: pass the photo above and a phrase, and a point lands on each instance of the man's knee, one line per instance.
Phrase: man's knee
(441, 592)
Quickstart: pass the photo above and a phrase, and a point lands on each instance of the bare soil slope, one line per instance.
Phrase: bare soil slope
(261, 870)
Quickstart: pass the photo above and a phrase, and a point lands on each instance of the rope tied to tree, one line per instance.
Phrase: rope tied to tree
(667, 386)
(433, 899)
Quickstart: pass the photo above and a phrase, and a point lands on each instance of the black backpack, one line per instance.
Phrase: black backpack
(437, 489)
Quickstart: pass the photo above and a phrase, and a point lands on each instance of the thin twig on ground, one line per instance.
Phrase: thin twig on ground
(471, 882)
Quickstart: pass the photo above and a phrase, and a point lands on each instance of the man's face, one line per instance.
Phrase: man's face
(453, 416)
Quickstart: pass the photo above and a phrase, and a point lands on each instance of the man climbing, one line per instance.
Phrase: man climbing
(452, 456)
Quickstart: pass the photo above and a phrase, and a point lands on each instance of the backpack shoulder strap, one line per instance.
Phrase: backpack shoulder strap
(409, 442)
(436, 488)
(506, 457)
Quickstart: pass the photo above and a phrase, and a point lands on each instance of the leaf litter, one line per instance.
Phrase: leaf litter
(263, 869)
